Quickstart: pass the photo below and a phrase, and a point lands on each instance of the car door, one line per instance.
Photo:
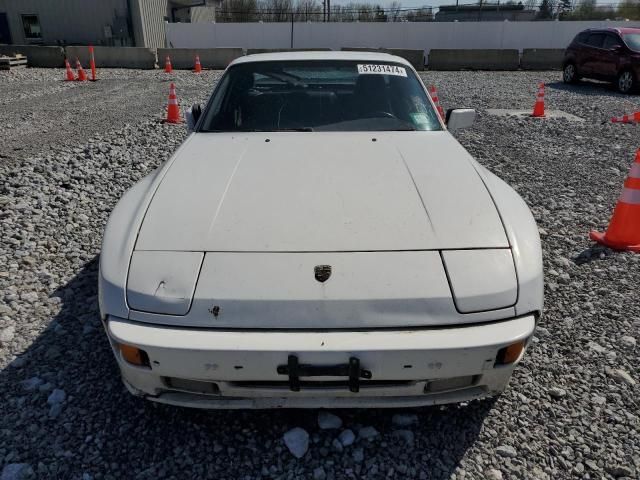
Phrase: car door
(591, 54)
(611, 55)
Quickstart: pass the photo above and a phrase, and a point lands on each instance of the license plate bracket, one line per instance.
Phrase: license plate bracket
(294, 369)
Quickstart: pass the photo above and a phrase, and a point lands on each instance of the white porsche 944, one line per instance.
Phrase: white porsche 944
(320, 240)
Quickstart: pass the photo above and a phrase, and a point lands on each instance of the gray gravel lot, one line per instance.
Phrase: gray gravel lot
(67, 153)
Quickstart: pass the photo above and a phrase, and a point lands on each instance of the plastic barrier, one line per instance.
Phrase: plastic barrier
(493, 59)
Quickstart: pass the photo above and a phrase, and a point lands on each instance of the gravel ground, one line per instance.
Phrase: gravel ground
(70, 150)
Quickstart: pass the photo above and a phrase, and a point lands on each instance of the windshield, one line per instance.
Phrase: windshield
(632, 40)
(319, 96)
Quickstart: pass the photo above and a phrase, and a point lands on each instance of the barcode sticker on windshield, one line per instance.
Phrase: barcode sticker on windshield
(381, 69)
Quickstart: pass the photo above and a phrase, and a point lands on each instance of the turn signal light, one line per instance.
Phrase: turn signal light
(134, 355)
(510, 353)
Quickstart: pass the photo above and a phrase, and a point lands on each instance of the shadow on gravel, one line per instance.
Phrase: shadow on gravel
(589, 88)
(100, 429)
(595, 252)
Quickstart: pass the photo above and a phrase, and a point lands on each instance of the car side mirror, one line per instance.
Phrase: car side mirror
(192, 115)
(458, 118)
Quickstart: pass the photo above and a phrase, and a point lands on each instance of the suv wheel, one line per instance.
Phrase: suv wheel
(569, 73)
(626, 81)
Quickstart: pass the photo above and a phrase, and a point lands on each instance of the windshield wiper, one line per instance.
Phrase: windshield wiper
(299, 129)
(408, 128)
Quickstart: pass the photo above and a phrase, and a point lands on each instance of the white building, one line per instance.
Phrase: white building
(138, 23)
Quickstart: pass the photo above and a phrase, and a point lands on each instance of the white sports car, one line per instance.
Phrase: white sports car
(320, 240)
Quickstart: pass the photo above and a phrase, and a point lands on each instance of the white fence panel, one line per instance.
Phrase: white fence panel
(427, 35)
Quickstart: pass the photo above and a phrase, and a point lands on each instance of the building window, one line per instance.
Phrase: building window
(31, 25)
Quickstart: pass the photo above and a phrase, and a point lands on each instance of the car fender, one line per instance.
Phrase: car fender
(524, 238)
(569, 57)
(624, 63)
(119, 239)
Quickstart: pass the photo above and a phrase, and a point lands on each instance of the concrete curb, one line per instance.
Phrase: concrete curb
(542, 59)
(219, 58)
(47, 57)
(491, 59)
(114, 57)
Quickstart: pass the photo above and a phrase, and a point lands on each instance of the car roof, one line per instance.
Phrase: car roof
(619, 30)
(321, 55)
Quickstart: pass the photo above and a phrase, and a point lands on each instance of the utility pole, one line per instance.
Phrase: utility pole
(328, 10)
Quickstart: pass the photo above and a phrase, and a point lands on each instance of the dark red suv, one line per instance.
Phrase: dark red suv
(611, 54)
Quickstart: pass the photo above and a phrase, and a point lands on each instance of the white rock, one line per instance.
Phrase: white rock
(297, 441)
(596, 347)
(55, 410)
(7, 334)
(57, 396)
(404, 419)
(319, 474)
(493, 474)
(16, 471)
(358, 455)
(406, 436)
(337, 445)
(29, 297)
(620, 375)
(506, 451)
(628, 341)
(557, 392)
(367, 433)
(31, 383)
(328, 421)
(346, 437)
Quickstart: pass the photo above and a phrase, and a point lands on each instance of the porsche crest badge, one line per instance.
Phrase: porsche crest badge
(322, 272)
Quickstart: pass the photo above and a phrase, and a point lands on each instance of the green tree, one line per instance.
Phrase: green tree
(564, 8)
(546, 10)
(381, 16)
(629, 9)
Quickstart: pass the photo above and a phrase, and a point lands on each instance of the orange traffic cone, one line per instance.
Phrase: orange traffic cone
(198, 67)
(633, 118)
(82, 77)
(434, 96)
(173, 109)
(92, 63)
(538, 108)
(624, 229)
(70, 77)
(167, 65)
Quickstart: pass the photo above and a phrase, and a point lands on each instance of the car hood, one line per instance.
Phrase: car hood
(321, 192)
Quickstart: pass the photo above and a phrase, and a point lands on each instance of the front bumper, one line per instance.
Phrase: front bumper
(239, 369)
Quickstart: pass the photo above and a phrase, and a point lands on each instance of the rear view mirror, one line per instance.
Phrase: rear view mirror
(459, 118)
(192, 115)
